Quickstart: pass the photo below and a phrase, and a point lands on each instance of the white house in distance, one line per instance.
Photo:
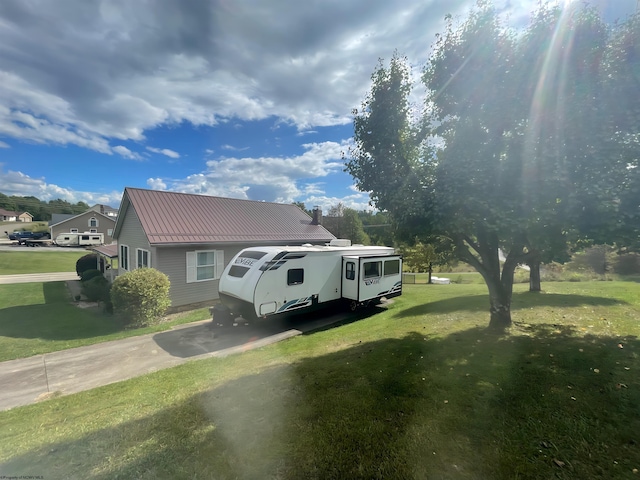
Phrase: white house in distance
(9, 216)
(190, 237)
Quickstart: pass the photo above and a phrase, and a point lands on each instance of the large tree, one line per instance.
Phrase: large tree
(523, 160)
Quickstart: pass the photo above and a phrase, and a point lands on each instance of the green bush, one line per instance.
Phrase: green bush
(89, 274)
(141, 296)
(96, 289)
(88, 262)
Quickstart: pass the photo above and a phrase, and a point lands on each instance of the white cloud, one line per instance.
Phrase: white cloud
(232, 148)
(19, 184)
(4, 145)
(164, 151)
(156, 184)
(126, 153)
(83, 73)
(265, 178)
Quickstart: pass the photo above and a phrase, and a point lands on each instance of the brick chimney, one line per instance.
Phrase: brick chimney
(317, 216)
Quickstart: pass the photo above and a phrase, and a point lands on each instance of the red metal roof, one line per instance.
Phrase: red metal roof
(174, 218)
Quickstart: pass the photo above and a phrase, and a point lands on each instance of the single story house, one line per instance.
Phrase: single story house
(9, 216)
(89, 221)
(191, 238)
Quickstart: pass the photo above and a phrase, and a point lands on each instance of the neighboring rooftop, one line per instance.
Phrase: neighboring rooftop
(174, 218)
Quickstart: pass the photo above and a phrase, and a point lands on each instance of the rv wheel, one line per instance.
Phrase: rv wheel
(353, 305)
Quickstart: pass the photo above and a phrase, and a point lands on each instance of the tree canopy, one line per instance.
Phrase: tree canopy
(40, 209)
(523, 145)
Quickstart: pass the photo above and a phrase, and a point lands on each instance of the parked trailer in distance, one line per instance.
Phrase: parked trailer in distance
(274, 281)
(79, 239)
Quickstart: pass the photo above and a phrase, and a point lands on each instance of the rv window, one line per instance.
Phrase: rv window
(350, 271)
(372, 269)
(85, 237)
(295, 276)
(237, 271)
(391, 267)
(256, 255)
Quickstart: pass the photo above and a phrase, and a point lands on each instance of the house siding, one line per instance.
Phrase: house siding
(81, 222)
(133, 236)
(172, 261)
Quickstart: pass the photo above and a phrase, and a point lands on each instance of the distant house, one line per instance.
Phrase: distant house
(9, 216)
(89, 221)
(105, 210)
(192, 237)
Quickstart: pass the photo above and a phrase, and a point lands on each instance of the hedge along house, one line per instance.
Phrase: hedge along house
(190, 237)
(89, 221)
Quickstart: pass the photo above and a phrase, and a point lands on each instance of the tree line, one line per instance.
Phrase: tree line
(40, 209)
(526, 142)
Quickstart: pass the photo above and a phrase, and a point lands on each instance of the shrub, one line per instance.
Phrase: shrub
(96, 289)
(141, 296)
(88, 262)
(89, 274)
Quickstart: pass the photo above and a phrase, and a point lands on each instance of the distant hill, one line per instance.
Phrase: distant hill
(41, 210)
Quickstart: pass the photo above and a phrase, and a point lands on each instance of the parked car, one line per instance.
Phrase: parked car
(22, 236)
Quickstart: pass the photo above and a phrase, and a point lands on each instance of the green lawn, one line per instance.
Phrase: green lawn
(421, 390)
(39, 318)
(35, 261)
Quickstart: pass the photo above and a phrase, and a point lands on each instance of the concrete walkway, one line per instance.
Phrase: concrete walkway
(38, 277)
(28, 380)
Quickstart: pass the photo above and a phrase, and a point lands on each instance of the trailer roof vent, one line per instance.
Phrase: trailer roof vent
(340, 242)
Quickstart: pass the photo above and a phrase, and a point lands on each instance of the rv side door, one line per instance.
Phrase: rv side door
(349, 278)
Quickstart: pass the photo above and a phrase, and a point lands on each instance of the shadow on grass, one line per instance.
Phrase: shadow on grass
(546, 403)
(520, 300)
(57, 319)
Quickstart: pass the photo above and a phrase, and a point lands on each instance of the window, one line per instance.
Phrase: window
(123, 259)
(143, 257)
(110, 232)
(93, 230)
(204, 265)
(295, 276)
(350, 271)
(372, 269)
(237, 271)
(93, 222)
(391, 267)
(73, 230)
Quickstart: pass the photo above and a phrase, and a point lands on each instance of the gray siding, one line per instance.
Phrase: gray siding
(173, 262)
(81, 223)
(132, 235)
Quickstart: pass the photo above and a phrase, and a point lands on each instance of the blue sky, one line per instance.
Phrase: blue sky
(238, 98)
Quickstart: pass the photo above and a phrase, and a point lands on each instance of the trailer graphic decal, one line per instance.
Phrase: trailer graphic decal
(397, 287)
(295, 304)
(372, 281)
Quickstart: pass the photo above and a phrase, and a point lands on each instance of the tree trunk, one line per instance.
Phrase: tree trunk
(534, 276)
(430, 272)
(500, 304)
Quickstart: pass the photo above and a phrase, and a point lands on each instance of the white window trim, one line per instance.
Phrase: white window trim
(96, 220)
(93, 230)
(192, 266)
(110, 232)
(123, 265)
(138, 250)
(73, 230)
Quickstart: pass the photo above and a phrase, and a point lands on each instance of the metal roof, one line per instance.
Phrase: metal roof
(110, 250)
(170, 218)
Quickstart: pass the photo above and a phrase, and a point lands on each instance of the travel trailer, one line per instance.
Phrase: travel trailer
(276, 281)
(79, 239)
